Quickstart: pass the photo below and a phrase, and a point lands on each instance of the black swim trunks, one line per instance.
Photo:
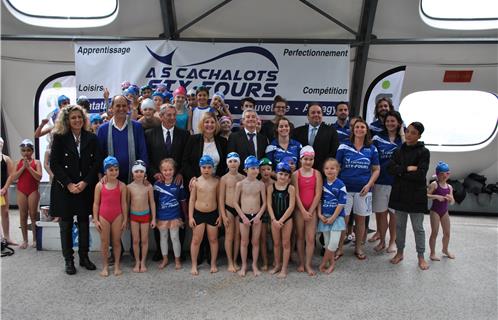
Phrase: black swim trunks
(250, 217)
(232, 211)
(205, 217)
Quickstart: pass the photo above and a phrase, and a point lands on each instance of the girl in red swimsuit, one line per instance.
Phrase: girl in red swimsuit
(28, 174)
(110, 212)
(308, 184)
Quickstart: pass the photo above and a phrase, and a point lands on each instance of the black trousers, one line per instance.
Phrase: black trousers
(66, 230)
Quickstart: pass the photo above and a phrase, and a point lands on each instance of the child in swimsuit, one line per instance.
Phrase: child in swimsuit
(171, 206)
(265, 171)
(142, 213)
(250, 203)
(110, 213)
(441, 194)
(28, 174)
(228, 213)
(281, 199)
(203, 213)
(308, 184)
(331, 213)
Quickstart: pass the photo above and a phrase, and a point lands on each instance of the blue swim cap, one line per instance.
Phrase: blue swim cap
(61, 99)
(442, 167)
(233, 155)
(283, 167)
(95, 117)
(251, 162)
(133, 90)
(206, 160)
(110, 161)
(265, 162)
(289, 160)
(158, 94)
(168, 96)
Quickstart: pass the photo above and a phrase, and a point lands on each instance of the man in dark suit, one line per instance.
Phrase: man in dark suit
(248, 141)
(165, 141)
(319, 135)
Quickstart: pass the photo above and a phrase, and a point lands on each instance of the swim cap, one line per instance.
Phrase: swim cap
(233, 155)
(138, 165)
(147, 104)
(251, 162)
(225, 118)
(125, 85)
(26, 143)
(158, 94)
(161, 87)
(61, 99)
(191, 92)
(179, 91)
(206, 160)
(265, 162)
(168, 97)
(283, 167)
(289, 160)
(442, 167)
(131, 90)
(146, 87)
(307, 151)
(110, 161)
(95, 117)
(219, 95)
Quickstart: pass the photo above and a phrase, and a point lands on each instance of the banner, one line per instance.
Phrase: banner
(389, 84)
(299, 73)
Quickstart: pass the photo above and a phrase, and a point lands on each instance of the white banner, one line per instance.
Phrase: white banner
(299, 73)
(389, 84)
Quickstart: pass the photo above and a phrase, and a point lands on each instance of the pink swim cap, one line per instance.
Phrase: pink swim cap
(180, 91)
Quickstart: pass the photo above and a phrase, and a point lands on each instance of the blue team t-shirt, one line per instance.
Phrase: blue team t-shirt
(342, 132)
(168, 197)
(376, 126)
(356, 166)
(276, 153)
(333, 195)
(386, 150)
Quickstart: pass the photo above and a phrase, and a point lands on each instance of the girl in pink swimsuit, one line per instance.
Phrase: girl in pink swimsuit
(308, 184)
(110, 212)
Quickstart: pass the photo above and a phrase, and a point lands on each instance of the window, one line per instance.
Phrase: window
(64, 13)
(50, 89)
(452, 117)
(460, 14)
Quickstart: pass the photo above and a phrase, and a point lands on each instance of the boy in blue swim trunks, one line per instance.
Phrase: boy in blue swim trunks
(250, 203)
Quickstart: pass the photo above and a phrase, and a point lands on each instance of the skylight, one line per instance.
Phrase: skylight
(460, 14)
(64, 13)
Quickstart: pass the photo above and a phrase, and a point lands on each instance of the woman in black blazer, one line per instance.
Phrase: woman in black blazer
(206, 142)
(75, 161)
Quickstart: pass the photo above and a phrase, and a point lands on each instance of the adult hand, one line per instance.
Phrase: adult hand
(72, 188)
(179, 179)
(364, 190)
(159, 177)
(106, 94)
(81, 185)
(104, 179)
(411, 168)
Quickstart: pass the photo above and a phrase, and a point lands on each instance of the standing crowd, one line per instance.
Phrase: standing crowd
(167, 161)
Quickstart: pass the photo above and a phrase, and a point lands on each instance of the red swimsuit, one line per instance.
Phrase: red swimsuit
(110, 203)
(26, 184)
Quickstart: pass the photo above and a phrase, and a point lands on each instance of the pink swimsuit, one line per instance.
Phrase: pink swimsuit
(110, 203)
(306, 188)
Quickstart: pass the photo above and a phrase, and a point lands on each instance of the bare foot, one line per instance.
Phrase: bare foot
(338, 255)
(33, 244)
(23, 245)
(374, 238)
(300, 268)
(448, 254)
(194, 271)
(236, 266)
(422, 264)
(265, 267)
(231, 268)
(11, 242)
(310, 271)
(104, 272)
(143, 268)
(330, 269)
(214, 269)
(163, 263)
(136, 268)
(178, 263)
(433, 257)
(242, 272)
(256, 271)
(397, 259)
(117, 271)
(275, 270)
(380, 247)
(322, 267)
(391, 248)
(282, 274)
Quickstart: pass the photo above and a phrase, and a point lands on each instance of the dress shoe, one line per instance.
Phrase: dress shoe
(87, 264)
(70, 268)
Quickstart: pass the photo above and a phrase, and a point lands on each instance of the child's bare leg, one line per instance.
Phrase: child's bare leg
(229, 233)
(144, 235)
(105, 234)
(212, 232)
(381, 219)
(116, 243)
(264, 249)
(300, 240)
(276, 249)
(335, 236)
(256, 233)
(310, 231)
(445, 224)
(236, 243)
(22, 202)
(244, 242)
(326, 255)
(433, 237)
(33, 200)
(197, 235)
(177, 247)
(135, 232)
(286, 244)
(392, 233)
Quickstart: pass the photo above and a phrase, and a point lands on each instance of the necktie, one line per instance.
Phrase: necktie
(312, 136)
(168, 141)
(251, 143)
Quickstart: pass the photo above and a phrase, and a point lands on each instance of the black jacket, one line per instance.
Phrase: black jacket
(409, 190)
(238, 142)
(70, 167)
(194, 151)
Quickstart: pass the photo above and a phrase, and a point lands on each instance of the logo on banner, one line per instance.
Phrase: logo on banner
(244, 81)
